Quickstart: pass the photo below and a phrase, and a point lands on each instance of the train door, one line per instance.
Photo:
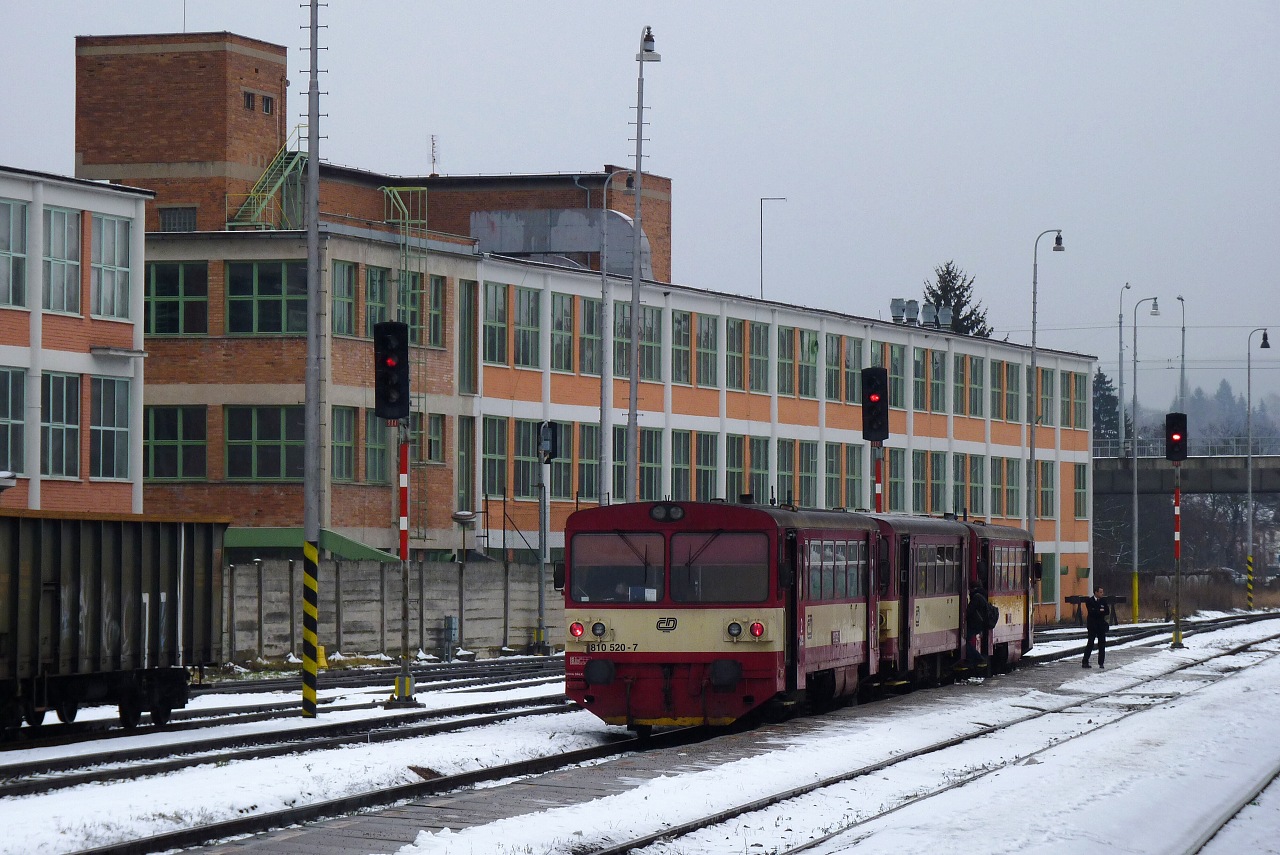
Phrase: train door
(789, 579)
(906, 596)
(871, 585)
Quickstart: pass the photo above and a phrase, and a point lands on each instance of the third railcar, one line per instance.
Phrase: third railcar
(702, 613)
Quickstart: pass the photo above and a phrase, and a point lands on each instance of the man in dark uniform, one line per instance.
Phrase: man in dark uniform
(1097, 624)
(975, 622)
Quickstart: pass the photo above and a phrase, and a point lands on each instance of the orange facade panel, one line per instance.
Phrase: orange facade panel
(694, 401)
(969, 430)
(1006, 433)
(798, 411)
(15, 327)
(746, 406)
(930, 424)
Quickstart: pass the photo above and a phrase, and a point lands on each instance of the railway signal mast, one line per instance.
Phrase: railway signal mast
(875, 421)
(1175, 450)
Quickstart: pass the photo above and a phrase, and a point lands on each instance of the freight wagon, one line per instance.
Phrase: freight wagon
(98, 609)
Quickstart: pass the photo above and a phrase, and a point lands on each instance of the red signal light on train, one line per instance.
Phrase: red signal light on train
(576, 629)
(757, 629)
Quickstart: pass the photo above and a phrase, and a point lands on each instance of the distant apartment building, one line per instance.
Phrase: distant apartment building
(513, 325)
(71, 343)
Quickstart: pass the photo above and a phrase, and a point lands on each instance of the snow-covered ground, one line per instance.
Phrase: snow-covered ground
(1132, 783)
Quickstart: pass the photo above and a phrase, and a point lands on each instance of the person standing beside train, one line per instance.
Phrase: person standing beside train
(975, 621)
(1097, 623)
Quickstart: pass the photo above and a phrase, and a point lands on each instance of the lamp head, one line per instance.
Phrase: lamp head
(1155, 307)
(1265, 343)
(648, 40)
(1057, 244)
(647, 53)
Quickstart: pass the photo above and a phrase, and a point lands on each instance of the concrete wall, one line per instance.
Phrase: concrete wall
(360, 608)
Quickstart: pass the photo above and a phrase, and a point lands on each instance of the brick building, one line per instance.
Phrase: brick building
(71, 345)
(515, 325)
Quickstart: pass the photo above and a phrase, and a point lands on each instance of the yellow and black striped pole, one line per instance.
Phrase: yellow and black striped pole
(1248, 582)
(310, 626)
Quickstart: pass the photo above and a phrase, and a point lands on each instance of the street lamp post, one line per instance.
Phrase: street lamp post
(606, 353)
(1182, 363)
(1248, 420)
(1120, 372)
(1155, 311)
(646, 54)
(764, 199)
(1033, 386)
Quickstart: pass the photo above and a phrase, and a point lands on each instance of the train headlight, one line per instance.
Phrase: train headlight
(598, 629)
(576, 629)
(734, 629)
(757, 629)
(676, 513)
(659, 512)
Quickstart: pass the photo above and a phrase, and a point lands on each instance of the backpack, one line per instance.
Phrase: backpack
(993, 616)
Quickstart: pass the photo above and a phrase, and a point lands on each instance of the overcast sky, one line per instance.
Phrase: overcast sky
(901, 134)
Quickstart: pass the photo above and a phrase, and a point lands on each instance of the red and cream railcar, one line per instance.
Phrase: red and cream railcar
(1003, 561)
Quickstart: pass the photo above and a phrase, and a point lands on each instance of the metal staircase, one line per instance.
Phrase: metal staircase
(261, 207)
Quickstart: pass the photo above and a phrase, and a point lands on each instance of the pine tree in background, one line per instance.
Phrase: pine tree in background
(1106, 411)
(952, 288)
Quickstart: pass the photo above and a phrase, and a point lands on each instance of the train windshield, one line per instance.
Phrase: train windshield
(720, 567)
(617, 567)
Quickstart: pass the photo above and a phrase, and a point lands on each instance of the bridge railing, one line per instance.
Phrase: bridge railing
(1237, 446)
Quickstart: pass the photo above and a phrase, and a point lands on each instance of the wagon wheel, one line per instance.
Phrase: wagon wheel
(11, 713)
(66, 710)
(130, 713)
(34, 717)
(160, 715)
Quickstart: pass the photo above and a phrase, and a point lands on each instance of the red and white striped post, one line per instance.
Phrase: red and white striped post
(1177, 554)
(877, 451)
(404, 681)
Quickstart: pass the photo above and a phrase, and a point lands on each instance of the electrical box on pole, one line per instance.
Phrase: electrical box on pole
(875, 404)
(549, 441)
(391, 370)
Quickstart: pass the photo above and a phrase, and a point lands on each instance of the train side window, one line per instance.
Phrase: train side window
(886, 570)
(814, 563)
(828, 570)
(840, 558)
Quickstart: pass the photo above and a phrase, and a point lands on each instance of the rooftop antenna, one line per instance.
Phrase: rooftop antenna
(433, 154)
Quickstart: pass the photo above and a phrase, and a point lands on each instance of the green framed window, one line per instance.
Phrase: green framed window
(60, 425)
(734, 354)
(343, 446)
(266, 297)
(919, 482)
(493, 456)
(1048, 502)
(527, 460)
(621, 339)
(706, 466)
(937, 481)
(681, 346)
(528, 328)
(807, 369)
(465, 472)
(621, 457)
(853, 370)
(651, 344)
(681, 465)
(997, 487)
(561, 332)
(897, 378)
(708, 350)
(896, 458)
(786, 471)
(834, 481)
(959, 378)
(834, 373)
(759, 477)
(997, 389)
(919, 379)
(759, 361)
(177, 298)
(175, 443)
(468, 346)
(1082, 491)
(435, 311)
(13, 397)
(854, 482)
(376, 284)
(108, 427)
(1013, 487)
(1048, 398)
(808, 474)
(376, 468)
(13, 255)
(649, 484)
(937, 381)
(977, 394)
(786, 361)
(62, 260)
(344, 298)
(1012, 392)
(265, 443)
(495, 323)
(109, 267)
(589, 461)
(1048, 578)
(561, 474)
(590, 341)
(977, 487)
(734, 466)
(433, 451)
(959, 475)
(409, 296)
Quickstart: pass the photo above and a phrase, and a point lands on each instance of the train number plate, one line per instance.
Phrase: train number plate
(611, 647)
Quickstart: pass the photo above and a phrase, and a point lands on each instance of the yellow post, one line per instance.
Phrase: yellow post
(1135, 597)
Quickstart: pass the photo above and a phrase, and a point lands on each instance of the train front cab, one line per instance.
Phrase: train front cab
(674, 613)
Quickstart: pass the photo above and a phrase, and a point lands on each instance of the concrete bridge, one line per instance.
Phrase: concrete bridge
(1218, 468)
